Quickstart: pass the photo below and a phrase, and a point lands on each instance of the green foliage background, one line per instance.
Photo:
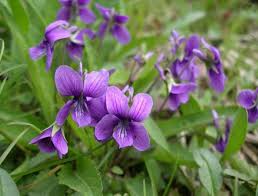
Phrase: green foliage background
(182, 160)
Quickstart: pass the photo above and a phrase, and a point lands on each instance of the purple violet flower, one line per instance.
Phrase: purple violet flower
(176, 41)
(115, 23)
(222, 141)
(54, 32)
(124, 123)
(51, 141)
(76, 45)
(248, 99)
(215, 69)
(80, 7)
(192, 43)
(179, 94)
(84, 89)
(185, 70)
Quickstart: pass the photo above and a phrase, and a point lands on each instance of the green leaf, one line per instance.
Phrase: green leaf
(7, 185)
(188, 122)
(154, 173)
(166, 152)
(191, 107)
(210, 171)
(10, 147)
(117, 170)
(84, 179)
(236, 174)
(237, 133)
(156, 134)
(20, 15)
(138, 186)
(177, 153)
(6, 5)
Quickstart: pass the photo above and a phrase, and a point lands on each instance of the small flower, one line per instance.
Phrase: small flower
(51, 140)
(185, 70)
(176, 41)
(179, 94)
(215, 69)
(222, 141)
(84, 89)
(142, 59)
(80, 7)
(161, 59)
(76, 45)
(54, 32)
(125, 123)
(192, 43)
(248, 99)
(115, 23)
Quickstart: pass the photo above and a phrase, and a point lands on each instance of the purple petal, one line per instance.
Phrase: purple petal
(46, 145)
(141, 107)
(184, 97)
(215, 118)
(105, 127)
(49, 55)
(117, 102)
(246, 98)
(173, 101)
(120, 19)
(80, 37)
(97, 109)
(68, 82)
(105, 12)
(121, 34)
(66, 2)
(161, 58)
(200, 54)
(38, 51)
(183, 88)
(220, 145)
(52, 26)
(217, 80)
(74, 50)
(45, 134)
(95, 83)
(64, 13)
(193, 42)
(63, 113)
(253, 114)
(60, 143)
(57, 34)
(87, 16)
(83, 2)
(141, 140)
(80, 114)
(102, 29)
(123, 136)
(215, 52)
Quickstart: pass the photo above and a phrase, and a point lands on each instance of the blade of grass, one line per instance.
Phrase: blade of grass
(10, 147)
(2, 85)
(25, 124)
(2, 49)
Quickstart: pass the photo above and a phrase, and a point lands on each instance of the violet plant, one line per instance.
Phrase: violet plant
(104, 105)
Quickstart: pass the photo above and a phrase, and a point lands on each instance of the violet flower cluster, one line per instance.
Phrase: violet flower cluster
(90, 99)
(181, 73)
(222, 141)
(95, 104)
(62, 30)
